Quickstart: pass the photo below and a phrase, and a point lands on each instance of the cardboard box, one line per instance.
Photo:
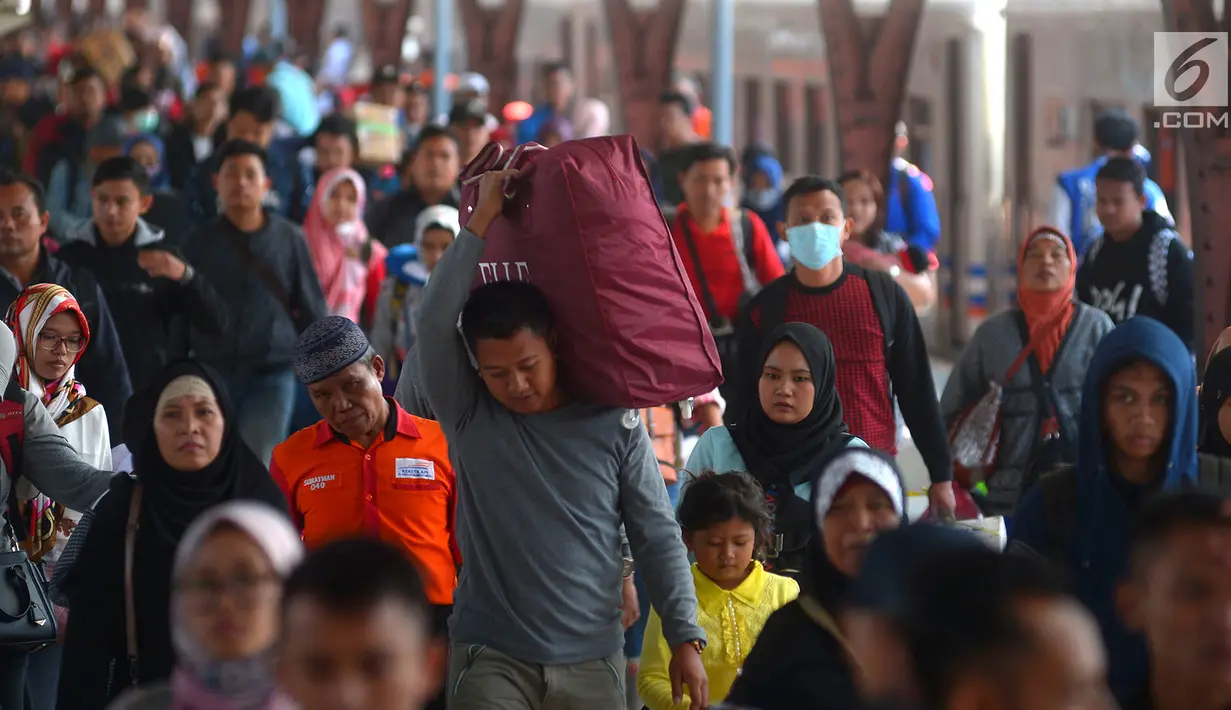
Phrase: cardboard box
(109, 52)
(381, 140)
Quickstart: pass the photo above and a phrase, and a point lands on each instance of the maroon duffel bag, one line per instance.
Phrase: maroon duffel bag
(582, 224)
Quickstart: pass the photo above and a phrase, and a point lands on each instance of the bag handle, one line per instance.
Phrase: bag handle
(21, 586)
(130, 605)
(490, 159)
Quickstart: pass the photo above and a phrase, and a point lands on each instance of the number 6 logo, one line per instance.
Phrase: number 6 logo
(1185, 62)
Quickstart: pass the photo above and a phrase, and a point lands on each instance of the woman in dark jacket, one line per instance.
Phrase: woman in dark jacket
(800, 659)
(188, 458)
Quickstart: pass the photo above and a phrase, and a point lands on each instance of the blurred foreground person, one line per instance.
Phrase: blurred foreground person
(228, 574)
(1178, 593)
(986, 631)
(357, 631)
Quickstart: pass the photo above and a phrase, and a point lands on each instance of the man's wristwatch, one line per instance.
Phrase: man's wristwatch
(189, 272)
(698, 644)
(628, 567)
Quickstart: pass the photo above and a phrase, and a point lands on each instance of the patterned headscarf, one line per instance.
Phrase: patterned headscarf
(27, 317)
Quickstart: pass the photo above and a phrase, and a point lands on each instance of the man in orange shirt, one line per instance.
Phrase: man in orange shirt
(369, 469)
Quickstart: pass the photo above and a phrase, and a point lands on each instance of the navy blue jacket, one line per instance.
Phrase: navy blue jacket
(1097, 551)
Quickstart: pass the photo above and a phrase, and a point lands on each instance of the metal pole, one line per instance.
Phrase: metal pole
(442, 15)
(722, 58)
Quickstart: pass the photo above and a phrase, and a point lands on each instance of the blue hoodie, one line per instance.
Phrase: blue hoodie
(1097, 555)
(767, 204)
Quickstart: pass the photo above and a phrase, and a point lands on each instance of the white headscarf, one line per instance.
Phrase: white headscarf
(246, 683)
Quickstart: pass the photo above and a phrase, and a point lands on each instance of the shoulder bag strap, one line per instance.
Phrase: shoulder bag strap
(741, 239)
(268, 278)
(130, 605)
(822, 618)
(706, 294)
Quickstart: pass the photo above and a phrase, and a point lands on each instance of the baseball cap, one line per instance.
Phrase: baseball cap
(469, 111)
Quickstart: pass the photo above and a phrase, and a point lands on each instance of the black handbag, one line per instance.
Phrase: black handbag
(27, 622)
(26, 619)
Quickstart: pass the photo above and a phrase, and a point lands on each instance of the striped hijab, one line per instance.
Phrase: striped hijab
(27, 317)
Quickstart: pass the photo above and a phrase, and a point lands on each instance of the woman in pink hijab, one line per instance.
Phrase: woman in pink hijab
(349, 263)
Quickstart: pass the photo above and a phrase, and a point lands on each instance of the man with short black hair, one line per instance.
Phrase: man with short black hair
(429, 177)
(141, 272)
(987, 631)
(1178, 593)
(1074, 201)
(468, 121)
(881, 354)
(191, 141)
(356, 631)
(254, 110)
(1139, 266)
(548, 481)
(675, 120)
(24, 261)
(728, 253)
(259, 264)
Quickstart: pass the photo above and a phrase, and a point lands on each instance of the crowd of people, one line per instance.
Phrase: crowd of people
(266, 445)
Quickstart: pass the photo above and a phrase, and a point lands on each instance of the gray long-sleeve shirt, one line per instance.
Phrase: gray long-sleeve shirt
(540, 502)
(51, 464)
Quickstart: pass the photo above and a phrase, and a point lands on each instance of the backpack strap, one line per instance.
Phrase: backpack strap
(881, 288)
(744, 240)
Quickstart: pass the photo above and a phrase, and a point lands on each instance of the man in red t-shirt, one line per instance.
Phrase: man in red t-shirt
(727, 252)
(878, 345)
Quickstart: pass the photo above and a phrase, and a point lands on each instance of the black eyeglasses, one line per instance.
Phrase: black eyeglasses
(204, 594)
(51, 341)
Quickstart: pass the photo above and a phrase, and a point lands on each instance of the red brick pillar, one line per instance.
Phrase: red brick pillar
(869, 63)
(1207, 159)
(304, 22)
(643, 43)
(179, 16)
(491, 45)
(233, 24)
(384, 28)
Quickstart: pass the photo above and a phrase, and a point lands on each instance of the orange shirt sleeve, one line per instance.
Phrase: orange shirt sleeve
(769, 265)
(280, 478)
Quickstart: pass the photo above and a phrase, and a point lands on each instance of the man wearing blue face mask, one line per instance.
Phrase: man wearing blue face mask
(876, 337)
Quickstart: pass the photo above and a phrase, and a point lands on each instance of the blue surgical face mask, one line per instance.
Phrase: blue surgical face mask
(763, 200)
(815, 244)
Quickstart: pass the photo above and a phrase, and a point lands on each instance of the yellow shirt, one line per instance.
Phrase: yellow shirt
(732, 621)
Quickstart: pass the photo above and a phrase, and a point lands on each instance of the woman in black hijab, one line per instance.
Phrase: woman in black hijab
(188, 457)
(801, 660)
(1215, 391)
(797, 425)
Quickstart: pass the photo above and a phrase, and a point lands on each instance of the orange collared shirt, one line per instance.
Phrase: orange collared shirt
(401, 489)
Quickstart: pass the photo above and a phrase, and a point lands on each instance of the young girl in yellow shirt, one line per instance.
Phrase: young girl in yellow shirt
(725, 521)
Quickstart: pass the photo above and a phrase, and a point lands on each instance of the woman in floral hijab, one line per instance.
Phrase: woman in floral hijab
(51, 334)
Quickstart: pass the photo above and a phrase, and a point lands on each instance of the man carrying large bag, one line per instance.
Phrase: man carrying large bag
(546, 479)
